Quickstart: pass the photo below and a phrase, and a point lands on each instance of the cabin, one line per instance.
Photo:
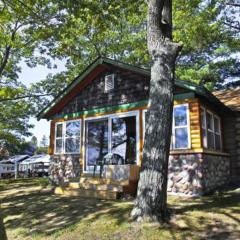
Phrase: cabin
(97, 134)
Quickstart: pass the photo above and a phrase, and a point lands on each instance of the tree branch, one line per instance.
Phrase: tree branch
(233, 4)
(232, 26)
(9, 47)
(25, 96)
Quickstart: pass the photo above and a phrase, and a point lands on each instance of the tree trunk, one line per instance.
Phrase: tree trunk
(150, 204)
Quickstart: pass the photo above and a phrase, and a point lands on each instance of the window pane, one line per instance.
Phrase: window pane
(209, 121)
(59, 130)
(124, 139)
(97, 141)
(72, 145)
(203, 119)
(180, 116)
(204, 136)
(181, 138)
(216, 125)
(218, 142)
(73, 129)
(210, 138)
(59, 145)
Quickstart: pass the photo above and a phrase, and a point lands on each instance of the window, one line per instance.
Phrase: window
(180, 127)
(180, 132)
(97, 140)
(109, 83)
(211, 130)
(67, 137)
(115, 135)
(59, 138)
(124, 138)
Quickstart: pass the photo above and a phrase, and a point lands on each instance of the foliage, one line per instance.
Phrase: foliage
(209, 44)
(41, 150)
(20, 24)
(78, 31)
(34, 141)
(117, 29)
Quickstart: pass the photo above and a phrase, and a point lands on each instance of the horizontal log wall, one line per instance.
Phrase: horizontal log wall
(194, 115)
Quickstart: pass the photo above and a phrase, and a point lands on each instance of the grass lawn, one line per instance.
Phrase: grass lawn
(31, 211)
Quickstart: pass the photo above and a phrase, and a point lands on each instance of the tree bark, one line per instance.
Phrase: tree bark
(150, 204)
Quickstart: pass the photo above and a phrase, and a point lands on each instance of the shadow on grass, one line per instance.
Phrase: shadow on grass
(225, 205)
(8, 184)
(46, 213)
(3, 235)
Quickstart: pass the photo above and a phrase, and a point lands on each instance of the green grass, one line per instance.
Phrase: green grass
(31, 211)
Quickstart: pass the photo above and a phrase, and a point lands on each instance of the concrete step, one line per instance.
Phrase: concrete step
(66, 191)
(103, 181)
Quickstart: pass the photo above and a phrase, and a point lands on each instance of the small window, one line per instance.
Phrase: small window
(67, 137)
(180, 135)
(180, 129)
(204, 128)
(211, 130)
(109, 83)
(59, 138)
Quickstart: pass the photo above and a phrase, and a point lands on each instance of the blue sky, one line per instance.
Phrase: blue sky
(33, 75)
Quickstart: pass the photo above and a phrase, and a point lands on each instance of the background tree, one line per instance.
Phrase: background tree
(44, 141)
(34, 141)
(21, 26)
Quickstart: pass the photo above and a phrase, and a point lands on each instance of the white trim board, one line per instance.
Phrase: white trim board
(110, 117)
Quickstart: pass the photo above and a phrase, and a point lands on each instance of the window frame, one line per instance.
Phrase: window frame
(64, 137)
(109, 117)
(206, 129)
(173, 129)
(173, 143)
(57, 138)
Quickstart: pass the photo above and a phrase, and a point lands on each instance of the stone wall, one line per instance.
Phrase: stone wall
(216, 171)
(189, 174)
(196, 174)
(185, 174)
(64, 168)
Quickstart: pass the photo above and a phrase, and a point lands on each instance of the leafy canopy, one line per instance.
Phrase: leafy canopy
(79, 31)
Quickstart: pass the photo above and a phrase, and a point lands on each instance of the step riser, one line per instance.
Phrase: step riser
(103, 187)
(101, 181)
(86, 193)
(96, 187)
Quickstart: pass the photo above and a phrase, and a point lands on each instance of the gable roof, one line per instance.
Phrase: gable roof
(230, 98)
(103, 63)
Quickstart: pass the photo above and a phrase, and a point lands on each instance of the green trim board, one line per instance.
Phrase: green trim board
(103, 110)
(202, 91)
(183, 96)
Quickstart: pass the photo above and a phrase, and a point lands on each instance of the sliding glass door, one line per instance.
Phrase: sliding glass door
(116, 135)
(97, 142)
(124, 139)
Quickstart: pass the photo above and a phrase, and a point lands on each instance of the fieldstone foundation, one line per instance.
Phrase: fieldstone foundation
(196, 174)
(64, 168)
(216, 171)
(189, 174)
